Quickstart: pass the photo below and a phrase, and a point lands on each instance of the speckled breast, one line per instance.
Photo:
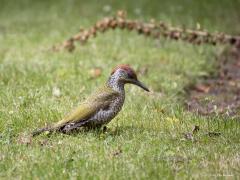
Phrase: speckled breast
(105, 116)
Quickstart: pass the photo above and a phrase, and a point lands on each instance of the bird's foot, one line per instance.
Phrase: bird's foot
(104, 129)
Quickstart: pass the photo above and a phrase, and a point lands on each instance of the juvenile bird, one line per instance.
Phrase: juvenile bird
(102, 106)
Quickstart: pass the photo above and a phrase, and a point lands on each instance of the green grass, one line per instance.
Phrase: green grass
(146, 140)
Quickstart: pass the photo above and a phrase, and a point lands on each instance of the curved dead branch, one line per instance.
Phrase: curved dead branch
(151, 29)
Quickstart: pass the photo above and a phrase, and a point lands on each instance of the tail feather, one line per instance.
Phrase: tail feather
(66, 128)
(40, 131)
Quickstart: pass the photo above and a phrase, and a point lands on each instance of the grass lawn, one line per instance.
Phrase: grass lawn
(146, 140)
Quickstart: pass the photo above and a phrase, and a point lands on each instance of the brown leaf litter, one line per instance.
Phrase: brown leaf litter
(219, 95)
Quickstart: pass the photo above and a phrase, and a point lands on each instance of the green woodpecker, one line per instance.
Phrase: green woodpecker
(102, 106)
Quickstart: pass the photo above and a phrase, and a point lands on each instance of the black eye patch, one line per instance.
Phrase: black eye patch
(132, 75)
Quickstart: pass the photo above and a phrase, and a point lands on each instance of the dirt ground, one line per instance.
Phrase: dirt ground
(219, 95)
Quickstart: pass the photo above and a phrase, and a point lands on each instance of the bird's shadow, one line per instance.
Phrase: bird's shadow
(110, 131)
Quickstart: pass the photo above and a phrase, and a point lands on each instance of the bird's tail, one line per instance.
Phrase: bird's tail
(40, 131)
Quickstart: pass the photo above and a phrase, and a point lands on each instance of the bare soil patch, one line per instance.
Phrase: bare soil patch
(219, 95)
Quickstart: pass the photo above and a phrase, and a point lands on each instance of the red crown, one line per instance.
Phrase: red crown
(126, 68)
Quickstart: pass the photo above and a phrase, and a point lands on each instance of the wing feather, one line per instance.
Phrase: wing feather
(100, 99)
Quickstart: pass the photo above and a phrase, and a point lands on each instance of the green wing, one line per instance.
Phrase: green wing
(100, 99)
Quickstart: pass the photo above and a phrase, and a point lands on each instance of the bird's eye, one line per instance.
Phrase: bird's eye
(131, 76)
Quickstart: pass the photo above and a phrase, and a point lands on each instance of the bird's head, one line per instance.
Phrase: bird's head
(125, 74)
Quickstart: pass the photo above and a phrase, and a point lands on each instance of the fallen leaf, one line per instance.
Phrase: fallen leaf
(95, 72)
(24, 139)
(202, 88)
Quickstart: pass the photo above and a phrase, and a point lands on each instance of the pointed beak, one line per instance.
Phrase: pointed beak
(138, 83)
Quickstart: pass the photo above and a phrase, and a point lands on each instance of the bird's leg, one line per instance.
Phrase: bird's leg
(93, 127)
(105, 128)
